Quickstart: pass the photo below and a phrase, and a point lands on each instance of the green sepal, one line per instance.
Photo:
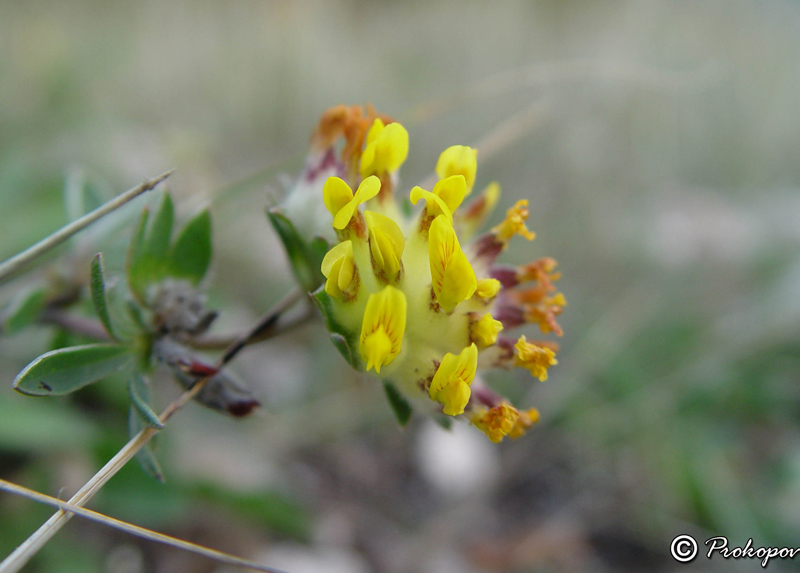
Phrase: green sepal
(305, 258)
(23, 310)
(190, 256)
(400, 406)
(445, 422)
(345, 342)
(97, 287)
(139, 391)
(65, 370)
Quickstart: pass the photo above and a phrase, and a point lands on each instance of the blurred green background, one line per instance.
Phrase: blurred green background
(658, 144)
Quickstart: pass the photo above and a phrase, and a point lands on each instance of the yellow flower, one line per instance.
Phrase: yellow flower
(339, 268)
(458, 160)
(496, 422)
(448, 193)
(383, 327)
(484, 331)
(343, 203)
(386, 243)
(450, 384)
(429, 309)
(386, 148)
(452, 275)
(535, 358)
(514, 223)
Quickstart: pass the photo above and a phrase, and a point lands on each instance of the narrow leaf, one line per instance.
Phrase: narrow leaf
(65, 370)
(158, 239)
(400, 406)
(139, 390)
(23, 310)
(147, 460)
(97, 286)
(191, 254)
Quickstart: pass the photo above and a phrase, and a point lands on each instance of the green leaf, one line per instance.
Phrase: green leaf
(345, 342)
(147, 460)
(158, 239)
(65, 370)
(139, 390)
(148, 255)
(402, 409)
(23, 310)
(97, 286)
(302, 256)
(191, 254)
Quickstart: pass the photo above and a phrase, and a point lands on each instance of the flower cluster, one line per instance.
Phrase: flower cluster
(406, 297)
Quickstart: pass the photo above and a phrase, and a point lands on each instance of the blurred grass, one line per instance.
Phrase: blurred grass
(663, 176)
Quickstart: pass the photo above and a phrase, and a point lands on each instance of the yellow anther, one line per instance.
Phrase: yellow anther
(496, 422)
(524, 422)
(514, 223)
(535, 358)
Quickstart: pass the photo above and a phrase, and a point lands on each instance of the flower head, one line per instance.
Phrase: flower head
(403, 299)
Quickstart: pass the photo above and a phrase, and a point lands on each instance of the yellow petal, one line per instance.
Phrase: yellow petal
(383, 327)
(434, 204)
(485, 330)
(338, 267)
(450, 384)
(336, 194)
(452, 277)
(487, 288)
(386, 148)
(386, 244)
(368, 189)
(452, 191)
(458, 160)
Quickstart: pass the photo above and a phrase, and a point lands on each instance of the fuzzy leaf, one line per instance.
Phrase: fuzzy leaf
(191, 254)
(23, 310)
(139, 392)
(97, 286)
(402, 409)
(65, 370)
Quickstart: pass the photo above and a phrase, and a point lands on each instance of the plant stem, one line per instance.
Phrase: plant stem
(22, 554)
(16, 262)
(142, 532)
